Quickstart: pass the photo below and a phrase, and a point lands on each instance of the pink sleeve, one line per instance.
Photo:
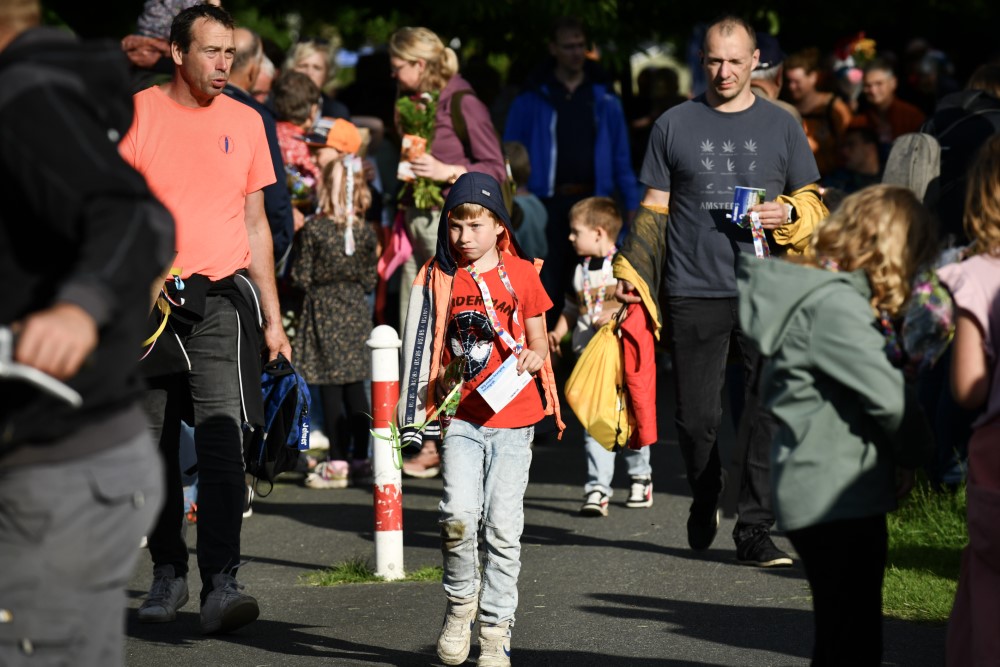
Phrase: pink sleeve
(970, 295)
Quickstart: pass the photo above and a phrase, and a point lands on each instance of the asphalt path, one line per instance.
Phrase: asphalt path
(624, 590)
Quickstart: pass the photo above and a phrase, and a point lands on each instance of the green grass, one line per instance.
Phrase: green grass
(926, 537)
(360, 571)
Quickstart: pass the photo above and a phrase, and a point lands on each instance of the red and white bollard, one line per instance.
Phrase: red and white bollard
(385, 344)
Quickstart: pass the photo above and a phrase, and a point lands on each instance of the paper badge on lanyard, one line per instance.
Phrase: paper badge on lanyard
(505, 383)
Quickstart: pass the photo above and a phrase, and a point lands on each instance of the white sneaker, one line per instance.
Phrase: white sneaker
(248, 502)
(455, 639)
(318, 440)
(641, 494)
(595, 503)
(494, 645)
(329, 475)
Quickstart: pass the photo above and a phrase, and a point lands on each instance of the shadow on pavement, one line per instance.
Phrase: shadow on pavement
(731, 625)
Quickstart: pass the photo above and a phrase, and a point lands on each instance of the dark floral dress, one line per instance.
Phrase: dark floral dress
(329, 346)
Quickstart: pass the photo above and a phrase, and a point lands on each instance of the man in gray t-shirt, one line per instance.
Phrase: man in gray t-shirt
(698, 153)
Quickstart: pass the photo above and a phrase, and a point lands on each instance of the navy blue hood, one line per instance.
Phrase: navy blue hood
(474, 187)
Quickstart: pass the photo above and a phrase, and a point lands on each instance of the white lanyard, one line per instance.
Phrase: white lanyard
(594, 306)
(515, 345)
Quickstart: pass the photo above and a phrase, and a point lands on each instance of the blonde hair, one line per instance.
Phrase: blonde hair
(599, 213)
(413, 44)
(982, 200)
(471, 212)
(17, 16)
(336, 182)
(303, 50)
(883, 230)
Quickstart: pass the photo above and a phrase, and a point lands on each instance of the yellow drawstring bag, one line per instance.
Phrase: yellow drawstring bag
(596, 389)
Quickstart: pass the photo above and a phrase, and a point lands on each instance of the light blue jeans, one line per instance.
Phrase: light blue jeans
(601, 465)
(485, 472)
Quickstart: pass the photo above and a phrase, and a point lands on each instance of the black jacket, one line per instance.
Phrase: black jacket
(962, 123)
(77, 224)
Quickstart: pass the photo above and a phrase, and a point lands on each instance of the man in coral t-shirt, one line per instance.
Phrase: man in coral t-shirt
(206, 157)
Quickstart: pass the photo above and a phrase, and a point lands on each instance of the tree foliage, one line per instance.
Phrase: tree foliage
(518, 28)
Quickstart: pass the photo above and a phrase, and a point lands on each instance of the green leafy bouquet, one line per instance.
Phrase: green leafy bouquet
(451, 386)
(416, 117)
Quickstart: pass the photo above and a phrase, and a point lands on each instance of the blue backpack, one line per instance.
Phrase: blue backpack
(275, 448)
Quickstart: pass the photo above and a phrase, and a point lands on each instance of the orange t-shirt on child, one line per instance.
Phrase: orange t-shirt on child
(470, 334)
(201, 163)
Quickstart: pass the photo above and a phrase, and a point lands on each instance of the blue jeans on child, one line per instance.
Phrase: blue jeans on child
(601, 465)
(485, 472)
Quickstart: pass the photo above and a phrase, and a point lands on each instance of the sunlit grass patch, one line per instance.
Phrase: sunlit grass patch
(926, 537)
(359, 570)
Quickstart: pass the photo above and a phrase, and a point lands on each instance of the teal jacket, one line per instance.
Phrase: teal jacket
(846, 419)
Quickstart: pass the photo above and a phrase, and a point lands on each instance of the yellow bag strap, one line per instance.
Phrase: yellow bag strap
(164, 306)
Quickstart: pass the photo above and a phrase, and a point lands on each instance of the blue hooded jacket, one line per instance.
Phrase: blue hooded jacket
(532, 121)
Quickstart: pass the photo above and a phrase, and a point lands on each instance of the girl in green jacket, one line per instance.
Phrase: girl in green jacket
(850, 433)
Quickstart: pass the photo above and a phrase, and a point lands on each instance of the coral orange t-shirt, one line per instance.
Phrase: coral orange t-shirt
(471, 335)
(201, 163)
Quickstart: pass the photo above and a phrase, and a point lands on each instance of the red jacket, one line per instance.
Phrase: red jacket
(639, 369)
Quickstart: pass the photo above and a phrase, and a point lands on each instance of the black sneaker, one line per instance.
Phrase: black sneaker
(702, 526)
(758, 550)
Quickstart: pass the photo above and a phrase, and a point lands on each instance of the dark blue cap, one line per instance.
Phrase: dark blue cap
(771, 54)
(474, 187)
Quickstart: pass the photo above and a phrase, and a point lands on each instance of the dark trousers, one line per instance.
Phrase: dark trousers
(700, 331)
(845, 563)
(212, 391)
(344, 408)
(560, 263)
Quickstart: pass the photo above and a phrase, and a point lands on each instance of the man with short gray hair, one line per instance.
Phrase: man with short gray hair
(767, 77)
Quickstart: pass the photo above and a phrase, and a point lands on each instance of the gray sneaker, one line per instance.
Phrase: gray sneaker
(227, 608)
(167, 594)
